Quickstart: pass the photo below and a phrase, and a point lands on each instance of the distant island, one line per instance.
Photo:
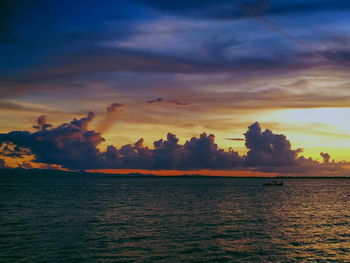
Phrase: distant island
(57, 172)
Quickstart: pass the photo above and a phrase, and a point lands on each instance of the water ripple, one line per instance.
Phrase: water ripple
(173, 220)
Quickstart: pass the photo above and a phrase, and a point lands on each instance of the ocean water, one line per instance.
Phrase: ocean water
(100, 219)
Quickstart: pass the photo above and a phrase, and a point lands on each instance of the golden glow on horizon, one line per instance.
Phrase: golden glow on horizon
(317, 130)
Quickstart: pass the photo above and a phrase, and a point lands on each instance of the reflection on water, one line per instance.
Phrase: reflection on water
(67, 219)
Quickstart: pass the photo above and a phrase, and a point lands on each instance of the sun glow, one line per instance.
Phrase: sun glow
(316, 130)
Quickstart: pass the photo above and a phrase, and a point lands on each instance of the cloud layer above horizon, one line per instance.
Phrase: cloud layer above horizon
(74, 146)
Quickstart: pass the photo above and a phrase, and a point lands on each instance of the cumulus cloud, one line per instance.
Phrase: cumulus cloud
(326, 157)
(71, 145)
(168, 153)
(197, 153)
(268, 149)
(74, 146)
(205, 150)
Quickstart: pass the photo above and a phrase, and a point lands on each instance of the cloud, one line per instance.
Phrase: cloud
(70, 69)
(41, 123)
(9, 149)
(110, 118)
(2, 164)
(155, 101)
(270, 152)
(235, 139)
(14, 106)
(74, 146)
(204, 151)
(75, 50)
(269, 98)
(84, 62)
(326, 157)
(136, 155)
(168, 101)
(71, 145)
(268, 149)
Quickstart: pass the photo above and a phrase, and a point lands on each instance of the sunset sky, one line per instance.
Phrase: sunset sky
(147, 67)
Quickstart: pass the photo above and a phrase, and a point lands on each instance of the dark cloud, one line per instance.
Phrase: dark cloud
(155, 101)
(326, 157)
(71, 68)
(41, 123)
(235, 139)
(82, 62)
(114, 107)
(2, 164)
(169, 101)
(204, 151)
(270, 152)
(168, 153)
(73, 146)
(68, 68)
(268, 149)
(135, 155)
(197, 153)
(9, 149)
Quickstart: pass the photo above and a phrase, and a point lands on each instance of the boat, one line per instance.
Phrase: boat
(273, 183)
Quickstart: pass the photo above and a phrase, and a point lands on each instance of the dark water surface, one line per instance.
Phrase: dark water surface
(95, 219)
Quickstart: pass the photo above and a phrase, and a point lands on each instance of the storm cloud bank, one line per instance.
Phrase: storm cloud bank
(74, 146)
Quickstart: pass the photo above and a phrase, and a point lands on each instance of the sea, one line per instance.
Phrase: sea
(173, 219)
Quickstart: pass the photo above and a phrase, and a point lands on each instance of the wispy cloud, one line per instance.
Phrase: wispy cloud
(110, 118)
(168, 101)
(235, 139)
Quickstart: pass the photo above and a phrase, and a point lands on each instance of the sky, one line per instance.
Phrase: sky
(81, 82)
